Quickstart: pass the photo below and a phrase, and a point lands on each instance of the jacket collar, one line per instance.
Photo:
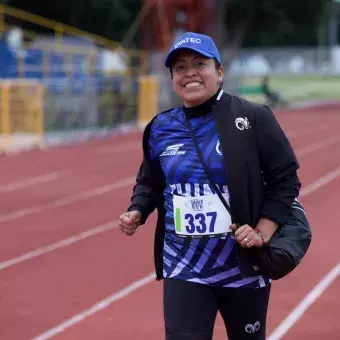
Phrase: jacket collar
(203, 109)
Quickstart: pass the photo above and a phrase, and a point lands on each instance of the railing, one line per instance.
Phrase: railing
(58, 90)
(59, 29)
(60, 44)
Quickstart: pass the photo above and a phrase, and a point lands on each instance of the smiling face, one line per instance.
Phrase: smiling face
(195, 78)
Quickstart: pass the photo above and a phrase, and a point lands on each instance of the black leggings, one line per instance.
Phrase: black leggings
(190, 311)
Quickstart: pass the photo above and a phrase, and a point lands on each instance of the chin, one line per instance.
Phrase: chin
(194, 99)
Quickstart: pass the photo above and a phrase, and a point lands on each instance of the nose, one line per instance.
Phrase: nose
(191, 71)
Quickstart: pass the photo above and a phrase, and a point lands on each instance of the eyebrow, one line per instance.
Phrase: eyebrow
(195, 57)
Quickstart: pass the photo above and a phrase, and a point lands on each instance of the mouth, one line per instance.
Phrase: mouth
(192, 85)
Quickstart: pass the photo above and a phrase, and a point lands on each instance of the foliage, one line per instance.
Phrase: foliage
(262, 22)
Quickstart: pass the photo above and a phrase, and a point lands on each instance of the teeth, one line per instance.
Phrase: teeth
(193, 84)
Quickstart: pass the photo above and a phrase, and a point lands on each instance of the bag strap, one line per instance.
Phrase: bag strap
(206, 170)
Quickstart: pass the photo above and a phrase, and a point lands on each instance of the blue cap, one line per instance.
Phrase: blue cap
(199, 43)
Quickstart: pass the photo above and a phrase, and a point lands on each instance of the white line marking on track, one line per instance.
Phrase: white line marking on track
(318, 290)
(106, 302)
(58, 245)
(99, 229)
(96, 308)
(306, 302)
(109, 187)
(317, 146)
(31, 181)
(68, 200)
(320, 182)
(308, 130)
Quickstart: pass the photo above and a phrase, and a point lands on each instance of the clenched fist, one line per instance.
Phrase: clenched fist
(129, 222)
(246, 236)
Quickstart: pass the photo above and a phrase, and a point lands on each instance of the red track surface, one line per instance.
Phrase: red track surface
(92, 188)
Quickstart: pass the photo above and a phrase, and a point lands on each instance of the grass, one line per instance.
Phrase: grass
(298, 88)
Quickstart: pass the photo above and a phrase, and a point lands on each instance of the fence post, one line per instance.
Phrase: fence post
(59, 33)
(148, 99)
(40, 113)
(2, 20)
(5, 119)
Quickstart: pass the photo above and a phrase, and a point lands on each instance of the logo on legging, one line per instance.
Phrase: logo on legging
(252, 328)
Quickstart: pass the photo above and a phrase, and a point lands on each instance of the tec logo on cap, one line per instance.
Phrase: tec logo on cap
(188, 40)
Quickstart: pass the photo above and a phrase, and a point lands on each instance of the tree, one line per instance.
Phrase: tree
(238, 22)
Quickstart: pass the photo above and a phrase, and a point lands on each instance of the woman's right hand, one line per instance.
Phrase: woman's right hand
(129, 222)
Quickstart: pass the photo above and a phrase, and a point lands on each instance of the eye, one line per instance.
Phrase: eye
(201, 63)
(179, 68)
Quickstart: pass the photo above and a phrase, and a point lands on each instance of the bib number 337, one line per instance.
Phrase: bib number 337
(200, 216)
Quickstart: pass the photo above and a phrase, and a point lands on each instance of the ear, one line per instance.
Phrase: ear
(220, 73)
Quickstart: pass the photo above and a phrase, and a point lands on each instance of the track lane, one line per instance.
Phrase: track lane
(34, 163)
(76, 181)
(118, 246)
(321, 321)
(43, 229)
(140, 313)
(70, 211)
(44, 291)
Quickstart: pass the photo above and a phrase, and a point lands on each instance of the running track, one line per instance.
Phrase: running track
(67, 272)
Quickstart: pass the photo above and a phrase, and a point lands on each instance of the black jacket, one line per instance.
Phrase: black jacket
(261, 167)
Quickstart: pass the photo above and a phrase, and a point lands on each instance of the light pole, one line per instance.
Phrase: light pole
(333, 36)
(333, 25)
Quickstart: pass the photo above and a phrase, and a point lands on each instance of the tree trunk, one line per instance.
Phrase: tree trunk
(220, 23)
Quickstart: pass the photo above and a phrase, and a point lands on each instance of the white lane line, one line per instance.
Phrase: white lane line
(125, 147)
(68, 200)
(320, 182)
(309, 130)
(96, 308)
(102, 228)
(106, 188)
(317, 146)
(306, 302)
(31, 181)
(58, 245)
(106, 302)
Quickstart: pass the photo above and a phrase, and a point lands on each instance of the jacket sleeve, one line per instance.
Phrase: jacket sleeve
(278, 167)
(143, 199)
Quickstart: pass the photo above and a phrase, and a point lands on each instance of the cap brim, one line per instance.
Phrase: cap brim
(197, 50)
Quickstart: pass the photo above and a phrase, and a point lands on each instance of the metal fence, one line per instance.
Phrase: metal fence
(299, 60)
(90, 84)
(251, 65)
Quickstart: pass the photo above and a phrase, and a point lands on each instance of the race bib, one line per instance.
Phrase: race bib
(201, 216)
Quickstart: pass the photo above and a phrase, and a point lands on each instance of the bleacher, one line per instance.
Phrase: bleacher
(90, 83)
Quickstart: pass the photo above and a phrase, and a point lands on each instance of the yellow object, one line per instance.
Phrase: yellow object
(21, 115)
(148, 99)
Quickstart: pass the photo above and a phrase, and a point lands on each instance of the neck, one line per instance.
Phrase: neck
(202, 109)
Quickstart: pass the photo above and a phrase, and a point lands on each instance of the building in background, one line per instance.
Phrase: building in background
(166, 19)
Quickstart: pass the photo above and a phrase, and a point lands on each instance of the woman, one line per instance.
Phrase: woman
(208, 263)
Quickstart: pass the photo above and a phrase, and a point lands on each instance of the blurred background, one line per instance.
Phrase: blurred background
(70, 69)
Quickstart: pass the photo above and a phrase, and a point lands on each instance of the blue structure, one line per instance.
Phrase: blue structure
(58, 72)
(8, 61)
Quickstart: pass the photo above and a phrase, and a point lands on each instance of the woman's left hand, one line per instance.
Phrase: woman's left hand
(246, 236)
